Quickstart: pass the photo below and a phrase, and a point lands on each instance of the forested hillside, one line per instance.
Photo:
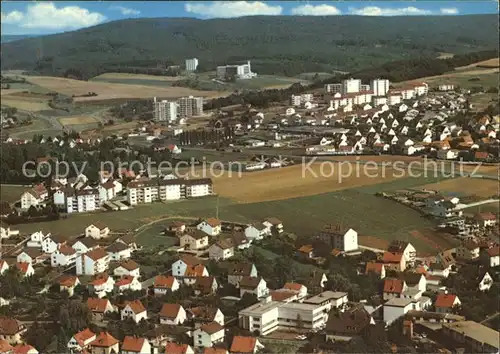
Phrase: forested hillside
(284, 45)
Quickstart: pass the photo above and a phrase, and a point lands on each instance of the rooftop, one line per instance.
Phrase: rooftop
(476, 331)
(398, 302)
(325, 295)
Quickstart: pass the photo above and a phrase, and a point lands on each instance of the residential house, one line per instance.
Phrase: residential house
(253, 285)
(128, 282)
(240, 241)
(25, 269)
(128, 240)
(127, 268)
(172, 314)
(206, 314)
(35, 240)
(4, 266)
(245, 345)
(106, 191)
(493, 255)
(210, 226)
(485, 282)
(196, 240)
(468, 251)
(208, 335)
(176, 228)
(409, 252)
(179, 267)
(134, 310)
(84, 245)
(135, 345)
(118, 251)
(221, 250)
(64, 256)
(6, 231)
(345, 326)
(24, 349)
(300, 289)
(236, 272)
(396, 308)
(205, 285)
(446, 303)
(68, 283)
(11, 330)
(393, 288)
(99, 307)
(33, 197)
(97, 230)
(101, 285)
(175, 348)
(306, 252)
(81, 341)
(104, 343)
(92, 262)
(164, 284)
(257, 231)
(394, 261)
(485, 219)
(316, 281)
(415, 281)
(51, 242)
(339, 237)
(29, 255)
(376, 268)
(275, 225)
(329, 299)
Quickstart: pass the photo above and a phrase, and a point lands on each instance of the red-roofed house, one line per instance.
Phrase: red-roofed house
(81, 340)
(395, 261)
(128, 282)
(26, 269)
(134, 310)
(92, 262)
(135, 345)
(245, 345)
(99, 307)
(24, 349)
(175, 348)
(208, 335)
(64, 256)
(214, 350)
(210, 226)
(393, 288)
(446, 302)
(300, 289)
(105, 343)
(173, 314)
(164, 284)
(283, 295)
(306, 251)
(493, 254)
(102, 284)
(377, 268)
(68, 283)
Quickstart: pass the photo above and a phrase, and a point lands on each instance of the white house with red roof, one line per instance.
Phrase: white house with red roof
(445, 303)
(493, 254)
(33, 197)
(64, 256)
(99, 307)
(176, 348)
(134, 310)
(164, 284)
(208, 335)
(210, 226)
(81, 340)
(4, 266)
(127, 267)
(105, 343)
(97, 230)
(93, 262)
(24, 349)
(135, 345)
(245, 345)
(172, 314)
(102, 285)
(128, 282)
(68, 283)
(300, 289)
(26, 269)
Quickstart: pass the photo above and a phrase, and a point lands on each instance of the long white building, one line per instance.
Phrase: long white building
(165, 111)
(243, 71)
(141, 192)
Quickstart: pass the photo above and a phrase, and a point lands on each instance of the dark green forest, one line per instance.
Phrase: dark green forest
(281, 45)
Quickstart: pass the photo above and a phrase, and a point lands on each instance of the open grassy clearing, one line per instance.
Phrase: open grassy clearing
(487, 77)
(25, 104)
(77, 120)
(108, 91)
(490, 63)
(9, 193)
(466, 186)
(135, 77)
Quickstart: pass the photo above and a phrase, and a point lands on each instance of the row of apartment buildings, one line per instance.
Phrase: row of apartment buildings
(170, 111)
(148, 191)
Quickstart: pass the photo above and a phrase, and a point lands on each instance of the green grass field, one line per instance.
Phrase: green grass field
(10, 193)
(132, 81)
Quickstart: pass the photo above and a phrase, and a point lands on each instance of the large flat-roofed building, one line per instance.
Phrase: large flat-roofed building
(190, 106)
(243, 71)
(165, 111)
(477, 337)
(267, 317)
(332, 299)
(333, 88)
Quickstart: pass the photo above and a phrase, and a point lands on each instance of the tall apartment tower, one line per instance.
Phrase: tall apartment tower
(191, 64)
(190, 106)
(380, 87)
(351, 86)
(165, 111)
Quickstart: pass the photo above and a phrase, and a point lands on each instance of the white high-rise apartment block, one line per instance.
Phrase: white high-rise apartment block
(333, 88)
(165, 111)
(351, 86)
(365, 88)
(380, 87)
(191, 64)
(190, 106)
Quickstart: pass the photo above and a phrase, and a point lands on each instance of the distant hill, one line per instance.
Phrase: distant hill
(14, 37)
(284, 45)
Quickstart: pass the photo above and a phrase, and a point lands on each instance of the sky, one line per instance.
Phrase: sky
(45, 17)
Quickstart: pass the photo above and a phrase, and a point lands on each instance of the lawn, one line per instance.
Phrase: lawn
(9, 193)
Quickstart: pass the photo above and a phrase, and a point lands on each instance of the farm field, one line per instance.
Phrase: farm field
(10, 193)
(466, 186)
(487, 77)
(66, 121)
(30, 104)
(296, 181)
(120, 76)
(490, 63)
(109, 91)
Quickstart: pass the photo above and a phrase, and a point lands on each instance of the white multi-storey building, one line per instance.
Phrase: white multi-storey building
(365, 88)
(139, 192)
(92, 262)
(165, 111)
(190, 106)
(351, 86)
(299, 100)
(84, 200)
(243, 71)
(333, 88)
(380, 87)
(191, 64)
